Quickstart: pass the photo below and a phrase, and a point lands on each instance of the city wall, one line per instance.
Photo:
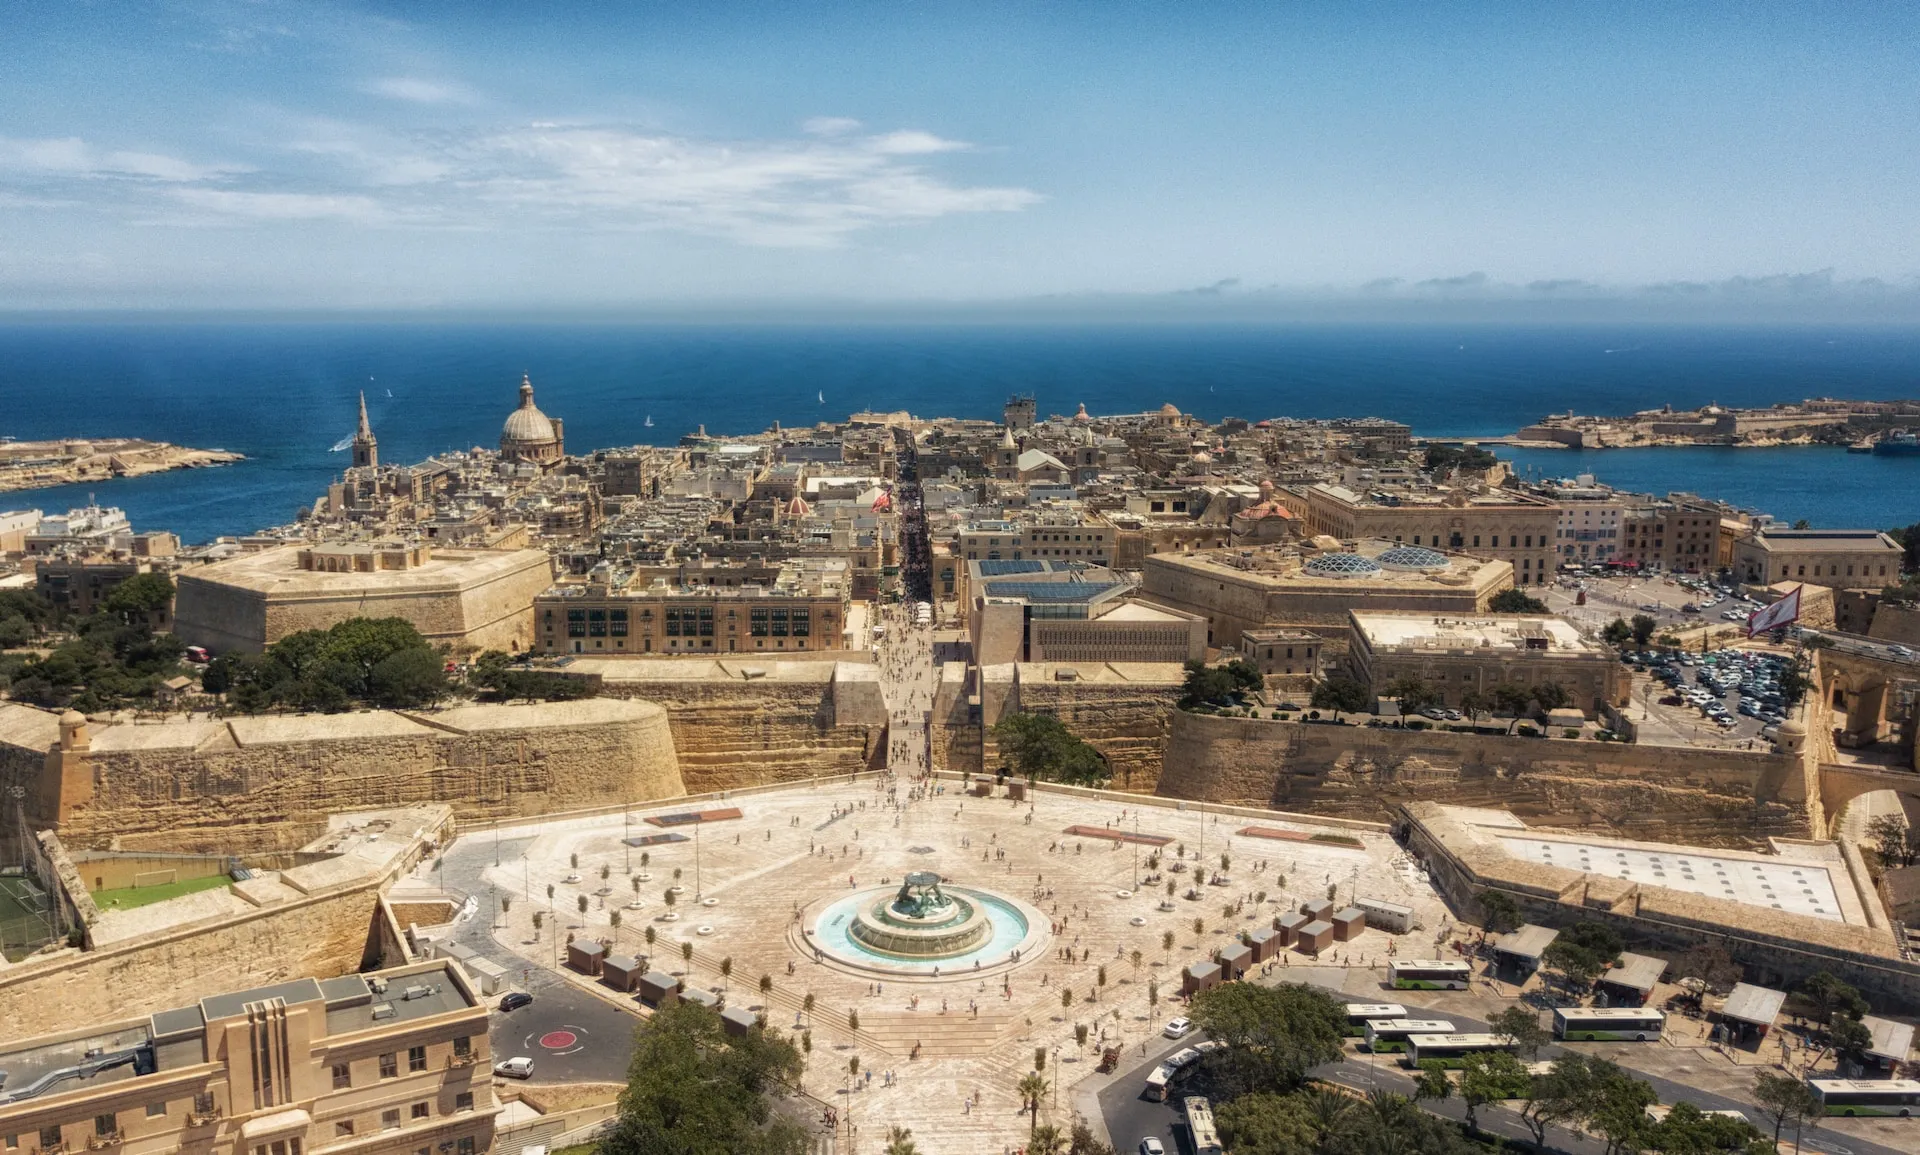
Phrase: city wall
(746, 723)
(1122, 710)
(248, 786)
(1655, 793)
(332, 927)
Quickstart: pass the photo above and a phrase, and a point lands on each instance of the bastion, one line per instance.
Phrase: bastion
(469, 599)
(248, 784)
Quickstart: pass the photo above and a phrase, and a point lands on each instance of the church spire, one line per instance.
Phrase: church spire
(366, 451)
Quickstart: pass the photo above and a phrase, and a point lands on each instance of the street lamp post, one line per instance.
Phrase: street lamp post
(626, 818)
(696, 862)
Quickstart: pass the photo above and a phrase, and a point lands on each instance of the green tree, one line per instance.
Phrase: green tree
(1341, 695)
(1796, 678)
(1582, 953)
(138, 599)
(1894, 841)
(1551, 695)
(1618, 1112)
(1643, 628)
(1565, 1094)
(1516, 601)
(1207, 684)
(1521, 1026)
(1033, 1091)
(1038, 747)
(1827, 996)
(1046, 1139)
(1499, 913)
(1687, 1130)
(1617, 633)
(1270, 1036)
(1432, 1083)
(900, 1141)
(1267, 1123)
(1490, 1077)
(1783, 1099)
(694, 1090)
(1473, 703)
(1849, 1038)
(1909, 539)
(1413, 694)
(1514, 698)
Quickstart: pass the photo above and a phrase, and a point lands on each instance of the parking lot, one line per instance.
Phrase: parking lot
(1673, 601)
(1724, 698)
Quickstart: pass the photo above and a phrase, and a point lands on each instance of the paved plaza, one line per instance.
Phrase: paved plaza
(939, 1054)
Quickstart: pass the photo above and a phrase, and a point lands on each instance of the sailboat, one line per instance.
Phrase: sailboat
(649, 421)
(822, 397)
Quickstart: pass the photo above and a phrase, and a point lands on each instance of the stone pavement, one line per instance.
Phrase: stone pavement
(743, 880)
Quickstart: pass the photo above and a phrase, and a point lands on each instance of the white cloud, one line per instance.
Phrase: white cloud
(829, 125)
(911, 142)
(418, 90)
(276, 206)
(73, 157)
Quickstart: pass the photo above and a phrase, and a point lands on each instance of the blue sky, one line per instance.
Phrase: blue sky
(233, 153)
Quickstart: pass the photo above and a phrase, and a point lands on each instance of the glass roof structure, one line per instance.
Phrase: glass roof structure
(1342, 565)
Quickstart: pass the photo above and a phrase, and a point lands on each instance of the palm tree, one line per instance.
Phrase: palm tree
(1046, 1139)
(1332, 1112)
(900, 1141)
(1032, 1088)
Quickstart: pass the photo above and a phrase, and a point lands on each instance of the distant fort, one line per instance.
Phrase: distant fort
(43, 464)
(1821, 420)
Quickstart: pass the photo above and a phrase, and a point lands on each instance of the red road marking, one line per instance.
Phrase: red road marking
(558, 1040)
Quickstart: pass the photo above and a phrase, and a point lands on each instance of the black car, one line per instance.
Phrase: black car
(515, 1001)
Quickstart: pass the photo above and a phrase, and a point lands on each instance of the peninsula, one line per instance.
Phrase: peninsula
(42, 464)
(1815, 421)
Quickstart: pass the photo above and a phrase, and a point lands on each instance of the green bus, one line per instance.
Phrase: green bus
(1451, 1050)
(1898, 1097)
(1608, 1024)
(1389, 1036)
(1428, 975)
(1358, 1015)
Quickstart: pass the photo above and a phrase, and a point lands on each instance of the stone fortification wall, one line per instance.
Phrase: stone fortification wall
(1661, 793)
(251, 785)
(324, 931)
(750, 723)
(1126, 720)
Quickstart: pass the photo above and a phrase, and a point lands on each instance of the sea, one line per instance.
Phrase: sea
(284, 392)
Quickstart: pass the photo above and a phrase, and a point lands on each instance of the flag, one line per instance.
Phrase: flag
(884, 501)
(1780, 613)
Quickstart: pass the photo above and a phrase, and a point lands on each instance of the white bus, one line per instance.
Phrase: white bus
(1899, 1097)
(1428, 975)
(1449, 1050)
(1206, 1141)
(1608, 1024)
(1359, 1013)
(1389, 1035)
(1156, 1091)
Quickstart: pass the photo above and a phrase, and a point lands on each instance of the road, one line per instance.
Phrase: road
(1129, 1117)
(1869, 647)
(601, 1034)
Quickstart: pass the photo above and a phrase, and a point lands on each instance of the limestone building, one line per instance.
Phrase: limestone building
(530, 435)
(1030, 611)
(392, 1061)
(1839, 558)
(1497, 524)
(1455, 654)
(468, 599)
(803, 608)
(1253, 589)
(1066, 537)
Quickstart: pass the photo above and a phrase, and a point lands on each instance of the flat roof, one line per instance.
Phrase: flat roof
(1479, 632)
(1751, 1004)
(1891, 1040)
(1637, 972)
(1529, 942)
(1793, 886)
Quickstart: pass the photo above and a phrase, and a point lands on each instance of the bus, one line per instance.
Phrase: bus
(1359, 1013)
(1428, 975)
(1385, 1036)
(1608, 1024)
(1899, 1097)
(1205, 1140)
(1449, 1050)
(1157, 1080)
(1156, 1090)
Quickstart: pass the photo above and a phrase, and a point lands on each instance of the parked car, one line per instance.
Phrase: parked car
(515, 1001)
(1178, 1028)
(1152, 1146)
(518, 1067)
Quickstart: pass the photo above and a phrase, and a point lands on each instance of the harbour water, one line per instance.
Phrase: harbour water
(284, 392)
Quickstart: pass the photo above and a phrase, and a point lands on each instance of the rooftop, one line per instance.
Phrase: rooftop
(1488, 632)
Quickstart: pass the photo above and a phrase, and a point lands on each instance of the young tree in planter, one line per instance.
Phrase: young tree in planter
(1783, 1099)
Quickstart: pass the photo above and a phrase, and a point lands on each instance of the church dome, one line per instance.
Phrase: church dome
(1168, 410)
(527, 423)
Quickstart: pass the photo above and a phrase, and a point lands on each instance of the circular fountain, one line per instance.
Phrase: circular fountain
(924, 925)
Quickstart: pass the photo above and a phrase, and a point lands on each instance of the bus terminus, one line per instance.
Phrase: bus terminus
(1608, 1024)
(1385, 1036)
(1359, 1013)
(1450, 1050)
(1428, 975)
(1868, 1096)
(1206, 1141)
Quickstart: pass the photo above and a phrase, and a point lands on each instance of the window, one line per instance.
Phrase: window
(203, 1103)
(106, 1124)
(464, 1146)
(155, 1110)
(342, 1075)
(389, 1065)
(597, 623)
(576, 623)
(706, 622)
(421, 1110)
(50, 1136)
(390, 1119)
(343, 1128)
(617, 620)
(416, 1058)
(463, 1102)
